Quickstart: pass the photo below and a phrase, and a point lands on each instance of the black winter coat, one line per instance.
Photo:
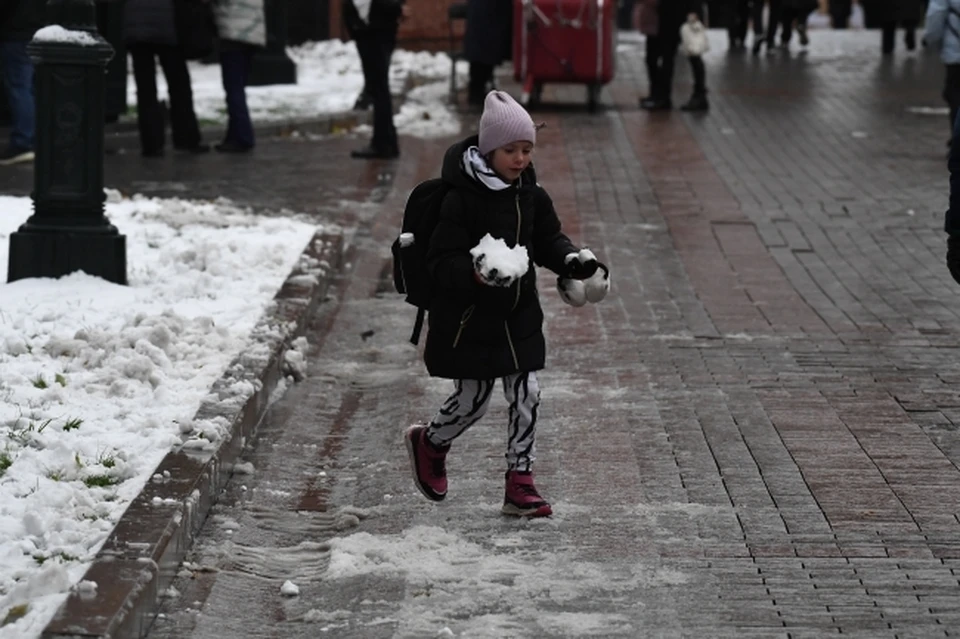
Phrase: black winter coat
(149, 22)
(384, 14)
(671, 15)
(20, 19)
(478, 331)
(489, 31)
(878, 12)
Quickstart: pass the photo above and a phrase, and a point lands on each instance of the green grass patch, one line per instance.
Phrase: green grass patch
(100, 481)
(60, 379)
(14, 613)
(39, 381)
(72, 424)
(6, 461)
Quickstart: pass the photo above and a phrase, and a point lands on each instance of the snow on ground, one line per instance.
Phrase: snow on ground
(97, 380)
(329, 78)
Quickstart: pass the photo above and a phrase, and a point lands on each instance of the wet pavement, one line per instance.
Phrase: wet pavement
(754, 435)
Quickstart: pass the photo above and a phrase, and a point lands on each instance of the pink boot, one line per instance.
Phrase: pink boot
(428, 462)
(521, 498)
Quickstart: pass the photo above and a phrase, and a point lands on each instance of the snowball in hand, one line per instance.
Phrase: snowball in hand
(494, 255)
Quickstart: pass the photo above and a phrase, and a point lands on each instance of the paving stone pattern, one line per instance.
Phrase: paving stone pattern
(764, 407)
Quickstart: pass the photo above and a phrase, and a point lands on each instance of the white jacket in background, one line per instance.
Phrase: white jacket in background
(241, 21)
(693, 38)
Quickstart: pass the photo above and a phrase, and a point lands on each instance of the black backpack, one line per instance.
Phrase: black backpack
(410, 276)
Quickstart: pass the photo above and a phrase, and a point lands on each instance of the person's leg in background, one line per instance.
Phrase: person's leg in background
(758, 31)
(18, 81)
(774, 14)
(698, 101)
(787, 16)
(235, 61)
(383, 145)
(888, 34)
(652, 61)
(951, 93)
(149, 115)
(183, 118)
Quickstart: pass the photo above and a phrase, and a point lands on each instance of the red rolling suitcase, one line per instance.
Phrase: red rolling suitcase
(570, 41)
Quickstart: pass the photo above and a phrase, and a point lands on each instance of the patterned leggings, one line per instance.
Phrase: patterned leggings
(469, 403)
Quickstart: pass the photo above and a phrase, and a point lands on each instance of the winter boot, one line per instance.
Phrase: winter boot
(428, 463)
(521, 498)
(696, 103)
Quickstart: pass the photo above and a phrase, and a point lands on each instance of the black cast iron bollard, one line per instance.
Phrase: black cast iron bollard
(68, 230)
(272, 66)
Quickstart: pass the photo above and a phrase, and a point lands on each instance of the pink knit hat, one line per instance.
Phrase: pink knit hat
(504, 121)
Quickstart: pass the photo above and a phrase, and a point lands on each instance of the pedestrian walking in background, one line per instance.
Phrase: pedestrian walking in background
(739, 21)
(241, 25)
(952, 216)
(765, 34)
(795, 14)
(695, 43)
(487, 43)
(840, 11)
(943, 34)
(484, 326)
(891, 14)
(150, 32)
(356, 25)
(19, 20)
(662, 45)
(373, 25)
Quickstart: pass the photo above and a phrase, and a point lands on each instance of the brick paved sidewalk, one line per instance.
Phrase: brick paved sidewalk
(754, 435)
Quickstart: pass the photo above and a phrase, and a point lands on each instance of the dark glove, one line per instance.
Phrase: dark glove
(580, 266)
(953, 257)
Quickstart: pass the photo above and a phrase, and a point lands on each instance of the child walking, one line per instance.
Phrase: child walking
(485, 326)
(694, 43)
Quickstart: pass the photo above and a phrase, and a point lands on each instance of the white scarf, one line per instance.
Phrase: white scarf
(475, 166)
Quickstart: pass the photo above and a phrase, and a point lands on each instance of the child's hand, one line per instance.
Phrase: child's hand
(580, 265)
(490, 276)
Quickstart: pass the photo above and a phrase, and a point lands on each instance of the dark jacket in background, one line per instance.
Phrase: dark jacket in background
(478, 331)
(877, 12)
(20, 19)
(384, 14)
(671, 15)
(149, 22)
(489, 31)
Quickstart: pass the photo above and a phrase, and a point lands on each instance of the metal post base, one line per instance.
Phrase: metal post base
(55, 254)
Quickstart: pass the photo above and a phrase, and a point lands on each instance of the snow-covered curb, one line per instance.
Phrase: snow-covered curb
(99, 382)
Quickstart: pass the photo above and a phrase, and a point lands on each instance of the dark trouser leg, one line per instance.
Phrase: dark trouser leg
(699, 76)
(669, 54)
(756, 17)
(234, 71)
(787, 17)
(951, 92)
(183, 119)
(910, 35)
(773, 21)
(888, 36)
(18, 80)
(480, 76)
(653, 66)
(742, 19)
(149, 117)
(370, 44)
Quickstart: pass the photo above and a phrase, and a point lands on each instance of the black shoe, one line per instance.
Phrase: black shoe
(802, 32)
(696, 103)
(363, 102)
(910, 39)
(12, 155)
(232, 147)
(199, 149)
(757, 45)
(373, 153)
(656, 105)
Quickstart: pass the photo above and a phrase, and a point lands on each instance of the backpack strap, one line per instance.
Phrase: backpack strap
(417, 326)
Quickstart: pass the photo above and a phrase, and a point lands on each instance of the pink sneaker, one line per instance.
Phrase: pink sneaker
(521, 498)
(427, 460)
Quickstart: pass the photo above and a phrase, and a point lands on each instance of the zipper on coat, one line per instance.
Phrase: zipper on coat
(464, 318)
(513, 351)
(516, 300)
